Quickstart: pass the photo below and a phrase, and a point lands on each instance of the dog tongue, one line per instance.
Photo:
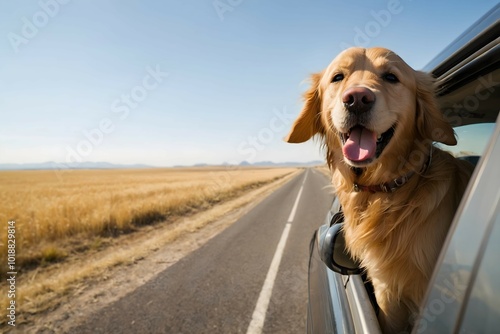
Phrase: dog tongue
(361, 144)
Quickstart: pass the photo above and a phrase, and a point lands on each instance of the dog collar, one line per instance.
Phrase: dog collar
(392, 186)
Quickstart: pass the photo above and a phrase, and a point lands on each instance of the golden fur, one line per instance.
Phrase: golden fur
(397, 236)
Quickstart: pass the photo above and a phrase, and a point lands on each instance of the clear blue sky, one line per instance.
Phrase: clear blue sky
(184, 81)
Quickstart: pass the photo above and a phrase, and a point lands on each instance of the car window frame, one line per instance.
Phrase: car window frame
(450, 286)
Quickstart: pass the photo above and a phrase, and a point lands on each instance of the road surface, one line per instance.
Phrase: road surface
(251, 278)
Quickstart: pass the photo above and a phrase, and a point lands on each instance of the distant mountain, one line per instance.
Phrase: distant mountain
(74, 165)
(106, 165)
(260, 164)
(283, 164)
(245, 163)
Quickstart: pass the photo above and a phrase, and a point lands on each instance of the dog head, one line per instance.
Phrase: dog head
(367, 105)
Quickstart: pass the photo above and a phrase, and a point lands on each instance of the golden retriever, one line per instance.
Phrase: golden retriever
(378, 119)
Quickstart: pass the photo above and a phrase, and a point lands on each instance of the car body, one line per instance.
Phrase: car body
(464, 292)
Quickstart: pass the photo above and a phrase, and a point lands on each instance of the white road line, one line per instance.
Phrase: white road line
(259, 313)
(294, 209)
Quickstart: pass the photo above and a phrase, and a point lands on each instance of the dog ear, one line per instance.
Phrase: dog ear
(430, 121)
(309, 121)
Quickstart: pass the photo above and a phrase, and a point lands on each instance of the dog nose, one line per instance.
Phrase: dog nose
(358, 99)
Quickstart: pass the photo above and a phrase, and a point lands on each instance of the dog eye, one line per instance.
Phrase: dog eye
(389, 77)
(338, 77)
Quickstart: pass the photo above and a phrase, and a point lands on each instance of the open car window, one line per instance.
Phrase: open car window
(471, 140)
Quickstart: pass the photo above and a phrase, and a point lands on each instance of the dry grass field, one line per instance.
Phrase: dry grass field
(57, 215)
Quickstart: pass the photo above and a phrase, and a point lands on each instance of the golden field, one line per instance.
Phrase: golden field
(57, 214)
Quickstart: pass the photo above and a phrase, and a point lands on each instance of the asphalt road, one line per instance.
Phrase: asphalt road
(217, 288)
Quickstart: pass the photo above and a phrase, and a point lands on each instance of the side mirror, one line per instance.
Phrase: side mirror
(332, 250)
